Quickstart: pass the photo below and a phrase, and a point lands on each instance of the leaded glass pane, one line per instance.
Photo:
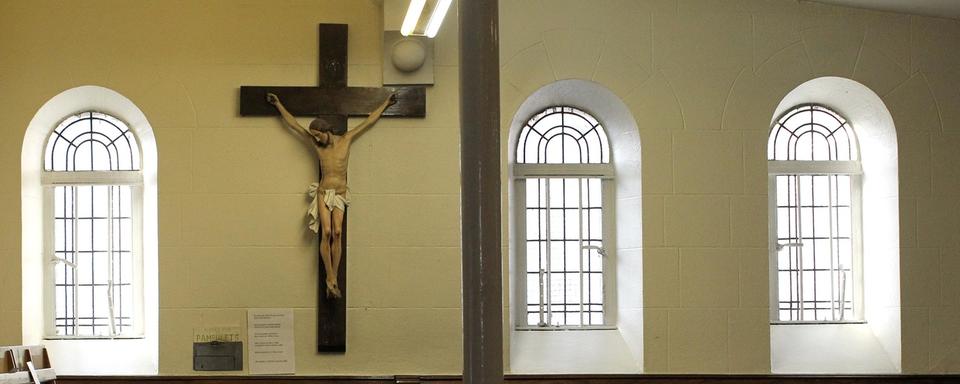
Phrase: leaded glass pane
(92, 141)
(563, 135)
(811, 132)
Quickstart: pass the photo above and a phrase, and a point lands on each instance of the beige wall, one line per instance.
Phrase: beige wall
(702, 77)
(231, 189)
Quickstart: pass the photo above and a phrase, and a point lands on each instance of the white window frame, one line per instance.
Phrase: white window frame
(603, 171)
(852, 168)
(49, 180)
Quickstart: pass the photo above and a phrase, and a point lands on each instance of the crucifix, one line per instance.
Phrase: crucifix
(331, 103)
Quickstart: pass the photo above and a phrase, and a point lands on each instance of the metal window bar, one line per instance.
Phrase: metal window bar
(549, 258)
(799, 252)
(72, 322)
(110, 266)
(833, 254)
(76, 257)
(117, 240)
(843, 295)
(799, 305)
(580, 245)
(570, 303)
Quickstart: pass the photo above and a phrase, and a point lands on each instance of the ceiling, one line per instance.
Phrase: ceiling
(936, 8)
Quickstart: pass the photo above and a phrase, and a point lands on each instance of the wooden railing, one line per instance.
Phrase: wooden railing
(524, 379)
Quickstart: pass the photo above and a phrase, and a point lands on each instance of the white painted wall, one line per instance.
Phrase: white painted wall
(552, 352)
(828, 349)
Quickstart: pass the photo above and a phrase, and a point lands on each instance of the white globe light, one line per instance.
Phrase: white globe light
(408, 55)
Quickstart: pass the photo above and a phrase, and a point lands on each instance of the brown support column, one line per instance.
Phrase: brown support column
(480, 192)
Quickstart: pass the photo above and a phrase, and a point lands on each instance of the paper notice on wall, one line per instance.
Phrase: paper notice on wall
(270, 335)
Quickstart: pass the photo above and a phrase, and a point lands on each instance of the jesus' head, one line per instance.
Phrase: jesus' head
(319, 126)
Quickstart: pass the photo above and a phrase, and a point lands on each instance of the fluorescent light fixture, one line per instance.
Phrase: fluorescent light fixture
(416, 24)
(413, 16)
(433, 26)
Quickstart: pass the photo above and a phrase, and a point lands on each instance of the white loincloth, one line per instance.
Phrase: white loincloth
(330, 198)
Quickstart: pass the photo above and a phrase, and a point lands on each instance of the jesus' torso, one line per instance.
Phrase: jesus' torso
(333, 163)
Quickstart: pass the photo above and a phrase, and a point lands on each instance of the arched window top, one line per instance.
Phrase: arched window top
(563, 135)
(812, 132)
(92, 141)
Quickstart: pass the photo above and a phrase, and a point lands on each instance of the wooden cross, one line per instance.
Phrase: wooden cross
(333, 101)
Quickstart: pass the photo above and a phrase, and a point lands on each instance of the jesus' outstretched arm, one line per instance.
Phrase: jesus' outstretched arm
(372, 119)
(290, 121)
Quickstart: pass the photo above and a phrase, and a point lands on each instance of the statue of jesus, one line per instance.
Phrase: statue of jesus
(330, 195)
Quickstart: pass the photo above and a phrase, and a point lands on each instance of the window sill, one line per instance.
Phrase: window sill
(67, 338)
(127, 356)
(817, 322)
(565, 328)
(586, 351)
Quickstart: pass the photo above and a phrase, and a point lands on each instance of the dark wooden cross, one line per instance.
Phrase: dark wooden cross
(333, 101)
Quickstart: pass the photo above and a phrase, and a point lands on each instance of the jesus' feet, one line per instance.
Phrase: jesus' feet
(333, 290)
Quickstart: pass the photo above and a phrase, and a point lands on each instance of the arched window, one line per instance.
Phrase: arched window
(815, 192)
(93, 192)
(834, 220)
(89, 253)
(564, 186)
(575, 202)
